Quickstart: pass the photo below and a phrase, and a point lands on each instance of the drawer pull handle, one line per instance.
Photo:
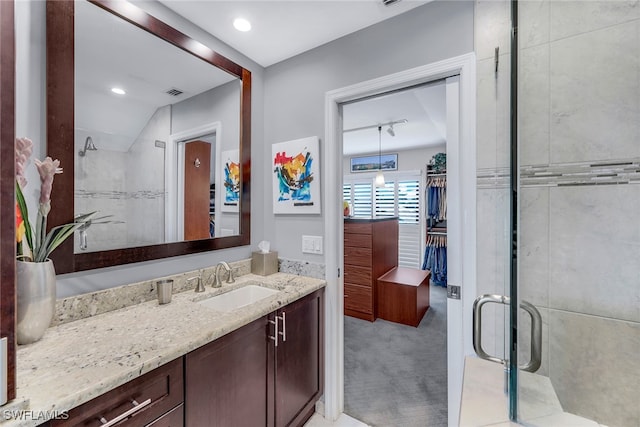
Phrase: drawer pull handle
(275, 334)
(284, 327)
(136, 407)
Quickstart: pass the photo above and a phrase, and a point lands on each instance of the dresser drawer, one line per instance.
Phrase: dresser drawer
(358, 298)
(357, 240)
(357, 256)
(357, 275)
(356, 228)
(164, 386)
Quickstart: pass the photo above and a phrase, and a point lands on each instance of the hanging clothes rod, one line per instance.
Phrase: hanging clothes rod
(437, 233)
(436, 174)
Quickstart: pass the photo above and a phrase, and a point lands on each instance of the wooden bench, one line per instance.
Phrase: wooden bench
(403, 295)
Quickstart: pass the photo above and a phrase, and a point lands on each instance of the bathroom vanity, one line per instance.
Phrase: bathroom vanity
(184, 363)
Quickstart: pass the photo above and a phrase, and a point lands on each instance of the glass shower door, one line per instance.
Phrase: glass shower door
(579, 198)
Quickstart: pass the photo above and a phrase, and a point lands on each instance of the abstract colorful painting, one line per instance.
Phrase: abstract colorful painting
(230, 167)
(296, 176)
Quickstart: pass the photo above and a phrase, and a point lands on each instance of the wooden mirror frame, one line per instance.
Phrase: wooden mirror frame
(60, 134)
(7, 190)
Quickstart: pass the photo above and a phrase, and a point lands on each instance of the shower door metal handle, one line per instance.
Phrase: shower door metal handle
(536, 337)
(536, 331)
(477, 325)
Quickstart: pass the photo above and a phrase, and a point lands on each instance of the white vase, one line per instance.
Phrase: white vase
(36, 295)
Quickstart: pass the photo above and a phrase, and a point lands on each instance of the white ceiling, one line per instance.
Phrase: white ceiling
(423, 107)
(282, 29)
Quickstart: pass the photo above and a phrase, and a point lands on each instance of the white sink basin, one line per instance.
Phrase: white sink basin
(237, 298)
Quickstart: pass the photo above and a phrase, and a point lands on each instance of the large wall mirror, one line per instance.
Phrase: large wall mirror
(156, 137)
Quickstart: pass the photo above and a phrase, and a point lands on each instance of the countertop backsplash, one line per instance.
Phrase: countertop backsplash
(82, 306)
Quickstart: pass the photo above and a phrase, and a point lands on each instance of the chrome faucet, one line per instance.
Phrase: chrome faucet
(217, 283)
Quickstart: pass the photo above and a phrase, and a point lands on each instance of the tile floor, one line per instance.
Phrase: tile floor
(344, 420)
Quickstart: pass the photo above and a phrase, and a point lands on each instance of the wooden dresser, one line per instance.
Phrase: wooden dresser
(370, 250)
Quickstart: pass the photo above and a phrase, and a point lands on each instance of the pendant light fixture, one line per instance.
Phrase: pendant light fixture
(379, 175)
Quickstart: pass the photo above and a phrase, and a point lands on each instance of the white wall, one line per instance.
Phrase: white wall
(295, 90)
(31, 122)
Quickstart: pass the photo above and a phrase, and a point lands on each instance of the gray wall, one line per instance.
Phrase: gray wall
(295, 90)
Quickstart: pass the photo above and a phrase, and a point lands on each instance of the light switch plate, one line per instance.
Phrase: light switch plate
(312, 245)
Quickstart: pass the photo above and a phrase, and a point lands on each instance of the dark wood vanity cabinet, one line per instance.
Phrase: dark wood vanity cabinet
(227, 380)
(245, 379)
(299, 360)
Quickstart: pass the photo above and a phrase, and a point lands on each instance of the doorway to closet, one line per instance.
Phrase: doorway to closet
(394, 373)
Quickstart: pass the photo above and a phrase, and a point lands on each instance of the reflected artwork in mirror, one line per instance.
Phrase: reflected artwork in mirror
(154, 118)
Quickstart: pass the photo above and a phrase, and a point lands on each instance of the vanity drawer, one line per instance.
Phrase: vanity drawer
(164, 386)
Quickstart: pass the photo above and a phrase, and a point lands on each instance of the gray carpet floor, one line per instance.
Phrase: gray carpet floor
(396, 375)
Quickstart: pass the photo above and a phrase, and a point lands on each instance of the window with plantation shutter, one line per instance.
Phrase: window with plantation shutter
(385, 205)
(409, 201)
(362, 200)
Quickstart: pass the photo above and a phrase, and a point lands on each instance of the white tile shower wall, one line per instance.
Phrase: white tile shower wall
(595, 368)
(100, 185)
(146, 181)
(594, 100)
(580, 240)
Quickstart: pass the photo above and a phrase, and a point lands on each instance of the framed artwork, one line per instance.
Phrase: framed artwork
(386, 162)
(230, 167)
(296, 176)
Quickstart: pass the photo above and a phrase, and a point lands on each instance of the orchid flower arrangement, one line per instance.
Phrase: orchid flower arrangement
(39, 243)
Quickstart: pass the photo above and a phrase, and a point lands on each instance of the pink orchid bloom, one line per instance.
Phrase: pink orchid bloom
(24, 148)
(47, 169)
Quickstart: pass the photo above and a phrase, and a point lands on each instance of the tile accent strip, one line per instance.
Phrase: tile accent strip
(493, 178)
(608, 172)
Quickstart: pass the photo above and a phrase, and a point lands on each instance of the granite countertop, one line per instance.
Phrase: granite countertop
(78, 361)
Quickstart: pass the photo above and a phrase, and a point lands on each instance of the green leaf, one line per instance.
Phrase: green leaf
(22, 205)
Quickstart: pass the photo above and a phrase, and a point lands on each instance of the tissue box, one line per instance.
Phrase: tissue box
(264, 264)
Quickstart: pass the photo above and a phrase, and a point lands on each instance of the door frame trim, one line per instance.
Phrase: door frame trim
(459, 311)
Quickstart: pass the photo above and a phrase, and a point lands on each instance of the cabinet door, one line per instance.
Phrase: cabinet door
(226, 380)
(299, 360)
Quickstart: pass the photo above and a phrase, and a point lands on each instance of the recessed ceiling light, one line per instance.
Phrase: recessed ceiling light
(118, 91)
(242, 24)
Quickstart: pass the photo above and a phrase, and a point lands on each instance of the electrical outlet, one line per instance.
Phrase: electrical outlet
(312, 245)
